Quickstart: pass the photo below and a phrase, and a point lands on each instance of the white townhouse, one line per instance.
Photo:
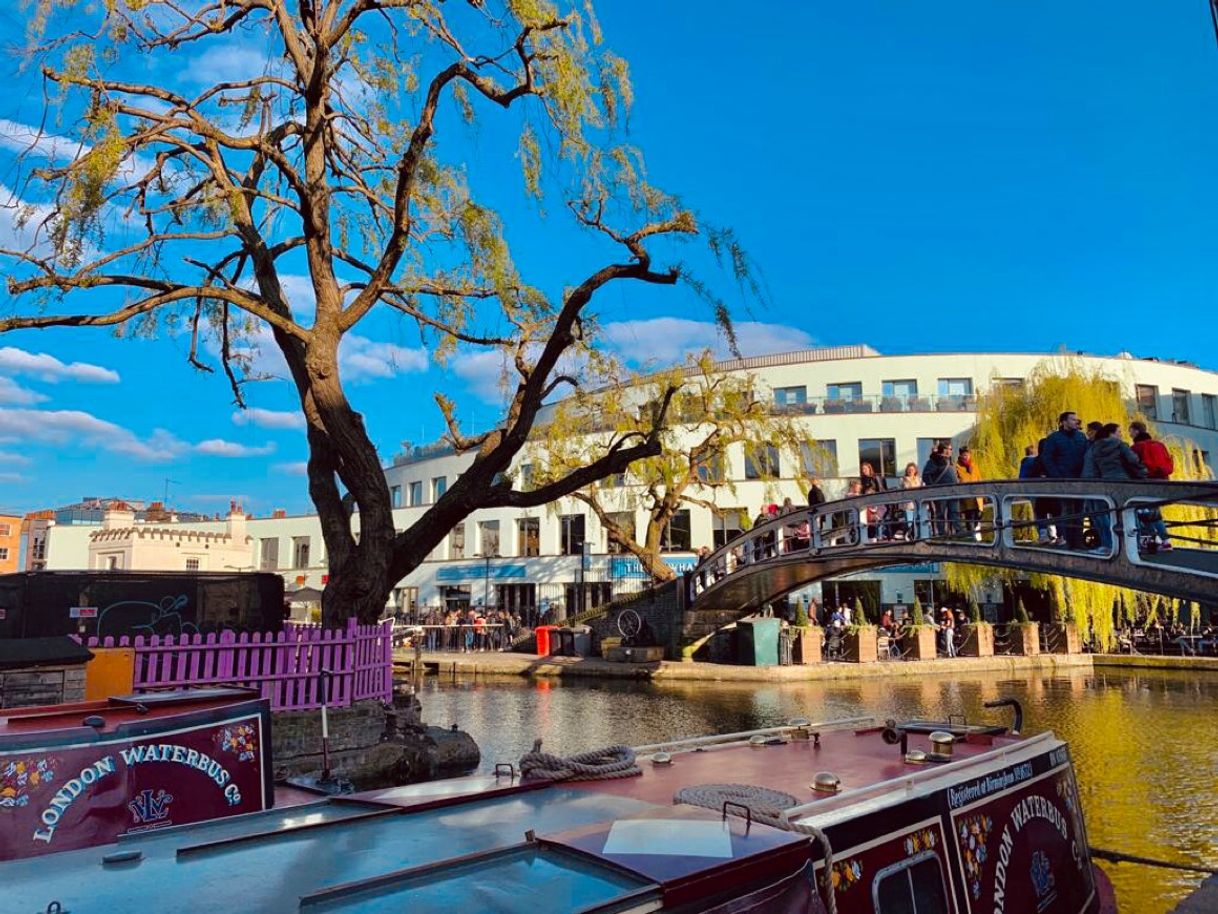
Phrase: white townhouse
(856, 404)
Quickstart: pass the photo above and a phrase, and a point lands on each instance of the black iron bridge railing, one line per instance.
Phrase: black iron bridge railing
(1160, 537)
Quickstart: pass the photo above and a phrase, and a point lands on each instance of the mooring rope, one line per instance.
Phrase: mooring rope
(596, 765)
(766, 806)
(1119, 857)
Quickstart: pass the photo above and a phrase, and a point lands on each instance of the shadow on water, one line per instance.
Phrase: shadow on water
(1143, 743)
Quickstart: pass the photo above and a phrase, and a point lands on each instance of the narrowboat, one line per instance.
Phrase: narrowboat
(832, 817)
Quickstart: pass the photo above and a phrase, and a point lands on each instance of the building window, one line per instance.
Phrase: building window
(488, 536)
(572, 534)
(851, 391)
(268, 553)
(3, 553)
(1179, 407)
(526, 476)
(955, 387)
(7, 529)
(1209, 413)
(819, 458)
(528, 536)
(192, 564)
(709, 468)
(300, 552)
(439, 485)
(625, 521)
(903, 390)
(881, 453)
(790, 396)
(1009, 383)
(615, 481)
(1148, 401)
(416, 494)
(395, 496)
(728, 524)
(114, 562)
(761, 462)
(925, 446)
(677, 534)
(913, 886)
(456, 542)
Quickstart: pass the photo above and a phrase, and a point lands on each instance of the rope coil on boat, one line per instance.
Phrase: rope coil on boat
(766, 806)
(595, 765)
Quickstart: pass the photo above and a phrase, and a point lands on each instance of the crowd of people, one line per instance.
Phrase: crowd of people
(469, 630)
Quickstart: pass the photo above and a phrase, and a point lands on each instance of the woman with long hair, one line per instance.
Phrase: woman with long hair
(911, 480)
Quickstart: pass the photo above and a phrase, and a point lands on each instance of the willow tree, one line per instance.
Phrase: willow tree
(712, 414)
(342, 155)
(1011, 418)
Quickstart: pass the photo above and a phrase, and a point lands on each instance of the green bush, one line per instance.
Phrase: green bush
(974, 612)
(918, 617)
(801, 616)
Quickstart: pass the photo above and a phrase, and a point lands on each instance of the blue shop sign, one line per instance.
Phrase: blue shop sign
(923, 568)
(480, 572)
(632, 568)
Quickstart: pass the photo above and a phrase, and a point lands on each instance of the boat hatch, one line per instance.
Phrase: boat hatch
(434, 794)
(954, 727)
(181, 696)
(690, 852)
(512, 880)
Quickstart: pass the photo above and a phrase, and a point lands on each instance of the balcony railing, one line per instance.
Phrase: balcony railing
(836, 406)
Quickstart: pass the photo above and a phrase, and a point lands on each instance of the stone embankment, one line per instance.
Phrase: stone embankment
(371, 745)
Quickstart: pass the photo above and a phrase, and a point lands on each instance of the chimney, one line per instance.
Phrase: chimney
(279, 514)
(236, 523)
(118, 514)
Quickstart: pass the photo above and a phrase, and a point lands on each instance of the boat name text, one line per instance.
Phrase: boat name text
(991, 783)
(1027, 809)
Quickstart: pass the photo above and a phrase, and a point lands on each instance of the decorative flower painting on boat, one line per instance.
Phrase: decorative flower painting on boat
(19, 776)
(1068, 792)
(972, 833)
(241, 740)
(846, 874)
(923, 840)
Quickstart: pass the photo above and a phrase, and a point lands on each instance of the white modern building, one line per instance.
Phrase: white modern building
(854, 403)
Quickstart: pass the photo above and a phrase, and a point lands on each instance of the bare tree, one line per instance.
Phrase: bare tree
(709, 412)
(184, 210)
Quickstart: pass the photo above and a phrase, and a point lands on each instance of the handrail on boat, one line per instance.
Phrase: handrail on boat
(850, 796)
(696, 742)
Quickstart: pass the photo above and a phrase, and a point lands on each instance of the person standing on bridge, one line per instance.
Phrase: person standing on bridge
(1110, 458)
(1062, 455)
(939, 471)
(1159, 465)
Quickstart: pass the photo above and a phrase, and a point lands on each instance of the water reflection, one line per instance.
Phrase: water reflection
(1143, 743)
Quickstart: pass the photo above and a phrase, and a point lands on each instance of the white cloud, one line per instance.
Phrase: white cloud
(667, 340)
(22, 138)
(269, 418)
(228, 62)
(81, 429)
(483, 372)
(218, 447)
(46, 367)
(298, 468)
(21, 224)
(13, 477)
(20, 460)
(13, 394)
(362, 359)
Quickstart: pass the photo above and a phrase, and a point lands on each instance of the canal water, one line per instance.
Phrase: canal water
(1145, 744)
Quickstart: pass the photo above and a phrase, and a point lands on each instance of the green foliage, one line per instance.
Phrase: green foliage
(974, 612)
(859, 616)
(1021, 613)
(801, 615)
(918, 615)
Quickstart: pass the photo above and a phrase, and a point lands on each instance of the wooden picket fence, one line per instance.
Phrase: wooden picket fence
(284, 666)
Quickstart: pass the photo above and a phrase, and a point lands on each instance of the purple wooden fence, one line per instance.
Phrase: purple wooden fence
(285, 666)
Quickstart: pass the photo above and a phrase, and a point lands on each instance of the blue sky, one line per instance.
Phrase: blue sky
(920, 177)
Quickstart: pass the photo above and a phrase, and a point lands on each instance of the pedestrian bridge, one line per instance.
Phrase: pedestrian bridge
(1000, 524)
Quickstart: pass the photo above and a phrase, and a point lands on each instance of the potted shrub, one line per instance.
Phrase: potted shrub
(806, 640)
(860, 643)
(919, 640)
(1025, 634)
(978, 635)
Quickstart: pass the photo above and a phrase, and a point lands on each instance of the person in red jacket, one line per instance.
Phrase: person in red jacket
(1159, 465)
